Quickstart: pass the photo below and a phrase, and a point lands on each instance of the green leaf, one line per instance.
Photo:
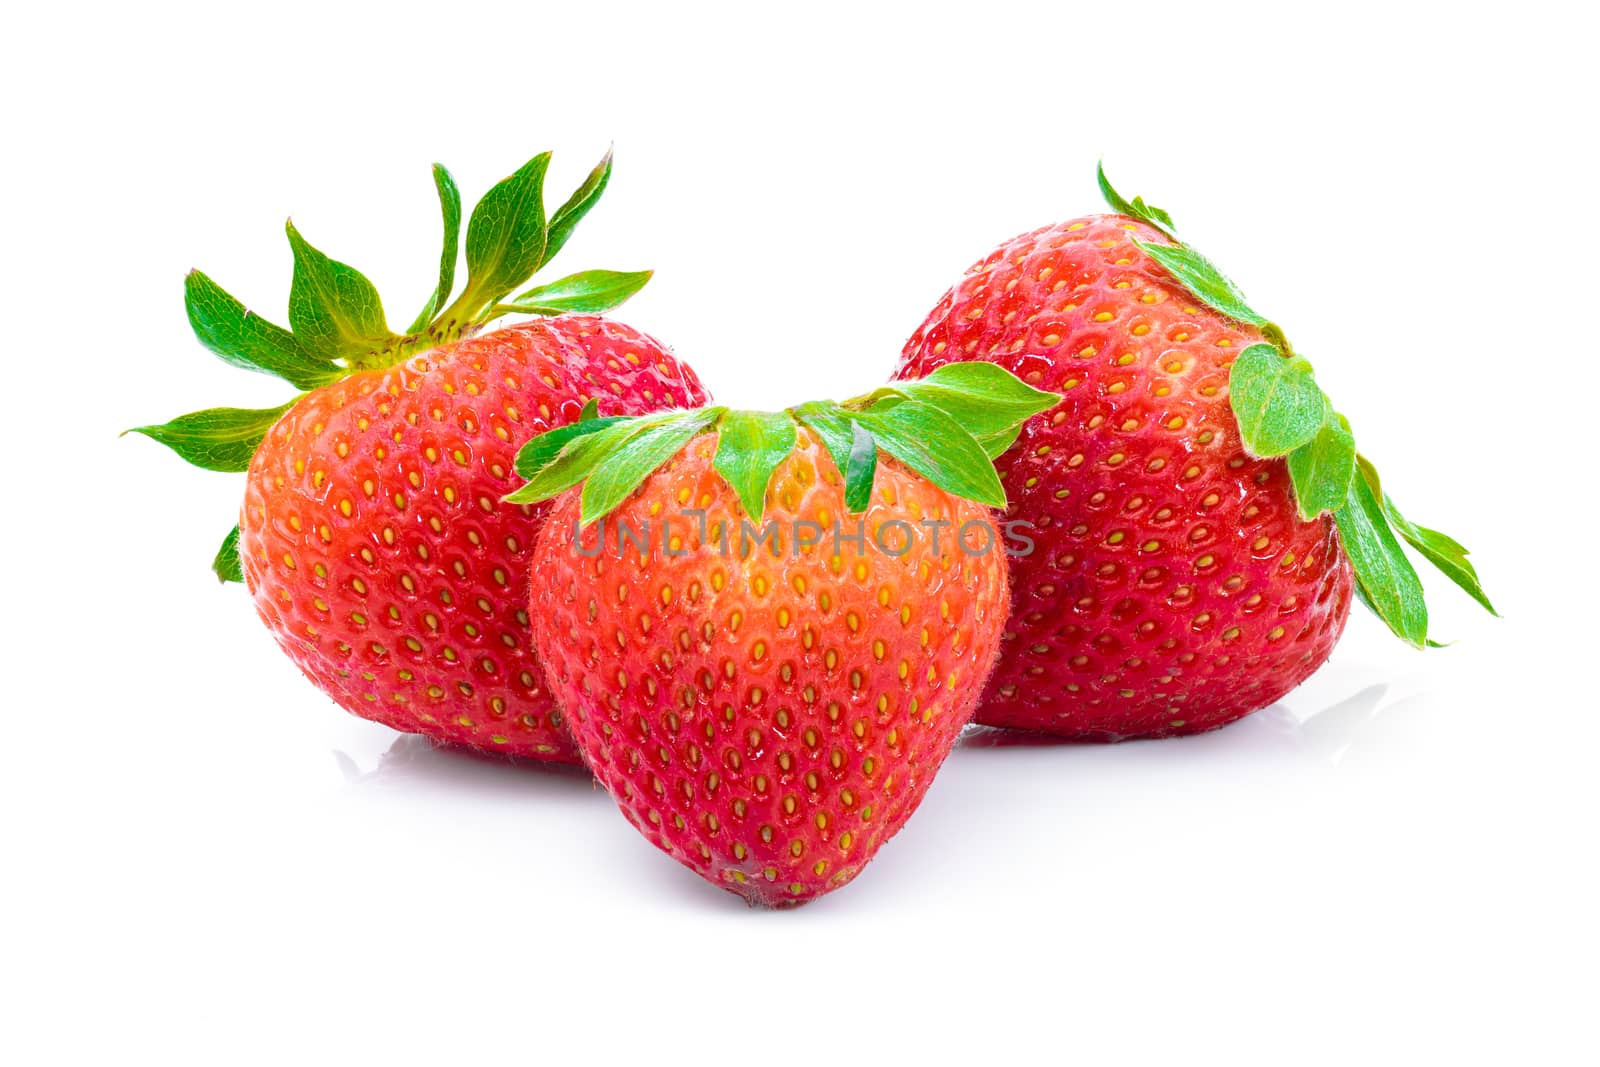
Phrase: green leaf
(218, 439)
(989, 382)
(1385, 579)
(245, 339)
(751, 445)
(1197, 274)
(541, 451)
(1444, 552)
(1137, 208)
(227, 566)
(578, 456)
(861, 470)
(1276, 400)
(996, 445)
(591, 410)
(1321, 469)
(624, 470)
(831, 423)
(506, 235)
(450, 208)
(577, 206)
(1439, 549)
(1272, 334)
(333, 309)
(591, 291)
(937, 447)
(985, 398)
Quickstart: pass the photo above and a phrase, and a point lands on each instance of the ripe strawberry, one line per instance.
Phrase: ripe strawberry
(1198, 502)
(372, 537)
(769, 715)
(374, 542)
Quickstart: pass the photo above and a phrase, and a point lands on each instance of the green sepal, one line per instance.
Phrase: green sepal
(613, 457)
(568, 215)
(1275, 400)
(217, 439)
(506, 234)
(1439, 549)
(1135, 208)
(333, 309)
(1385, 579)
(589, 292)
(937, 447)
(450, 209)
(581, 447)
(591, 410)
(1197, 274)
(542, 450)
(227, 565)
(831, 423)
(860, 469)
(337, 324)
(996, 445)
(1272, 334)
(751, 446)
(1281, 411)
(244, 339)
(621, 472)
(1320, 470)
(985, 398)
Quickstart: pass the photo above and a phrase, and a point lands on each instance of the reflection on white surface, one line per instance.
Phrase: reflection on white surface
(1346, 726)
(1328, 734)
(1001, 795)
(1325, 735)
(414, 759)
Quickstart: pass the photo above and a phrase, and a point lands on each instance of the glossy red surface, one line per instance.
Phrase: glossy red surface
(768, 721)
(375, 543)
(1172, 588)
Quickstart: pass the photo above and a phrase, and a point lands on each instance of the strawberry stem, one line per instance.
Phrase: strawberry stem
(336, 319)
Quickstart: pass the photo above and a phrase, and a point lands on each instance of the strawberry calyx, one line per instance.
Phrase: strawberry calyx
(337, 325)
(948, 427)
(1283, 412)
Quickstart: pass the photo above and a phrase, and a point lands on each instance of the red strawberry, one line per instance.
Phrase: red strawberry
(769, 719)
(1198, 502)
(375, 544)
(372, 534)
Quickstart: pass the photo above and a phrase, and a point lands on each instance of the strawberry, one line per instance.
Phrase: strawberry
(764, 686)
(372, 536)
(1203, 518)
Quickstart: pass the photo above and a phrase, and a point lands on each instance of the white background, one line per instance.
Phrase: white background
(208, 863)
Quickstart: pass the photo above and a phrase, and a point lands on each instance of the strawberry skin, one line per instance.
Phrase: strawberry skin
(374, 542)
(768, 721)
(1173, 588)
